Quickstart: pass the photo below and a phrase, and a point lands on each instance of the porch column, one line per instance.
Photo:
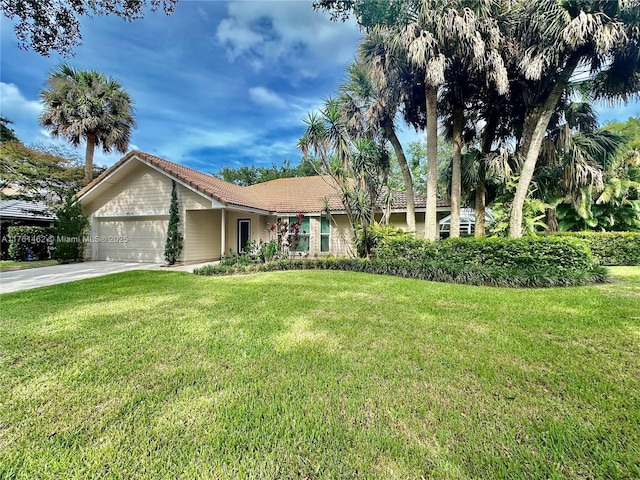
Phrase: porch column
(223, 232)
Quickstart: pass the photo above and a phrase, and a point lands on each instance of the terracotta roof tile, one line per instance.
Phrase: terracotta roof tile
(300, 194)
(420, 201)
(207, 184)
(211, 186)
(285, 195)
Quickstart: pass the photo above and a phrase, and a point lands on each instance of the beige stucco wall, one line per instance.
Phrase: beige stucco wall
(341, 236)
(137, 206)
(144, 191)
(257, 230)
(400, 220)
(202, 235)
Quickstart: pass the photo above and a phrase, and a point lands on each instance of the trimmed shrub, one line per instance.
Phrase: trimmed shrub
(525, 262)
(30, 243)
(610, 248)
(522, 253)
(174, 241)
(70, 226)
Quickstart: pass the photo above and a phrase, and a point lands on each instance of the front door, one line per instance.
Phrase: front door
(244, 233)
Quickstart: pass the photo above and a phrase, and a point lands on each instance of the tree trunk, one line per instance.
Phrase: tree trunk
(406, 175)
(551, 220)
(481, 191)
(88, 157)
(535, 128)
(456, 175)
(480, 211)
(431, 217)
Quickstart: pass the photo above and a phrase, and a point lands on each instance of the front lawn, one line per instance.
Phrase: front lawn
(10, 265)
(319, 374)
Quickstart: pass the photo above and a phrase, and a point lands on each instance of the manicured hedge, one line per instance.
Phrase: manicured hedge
(559, 254)
(30, 243)
(610, 248)
(546, 262)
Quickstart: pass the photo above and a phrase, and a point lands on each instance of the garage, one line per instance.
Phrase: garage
(131, 240)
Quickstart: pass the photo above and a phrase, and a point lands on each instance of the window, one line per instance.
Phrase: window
(325, 228)
(303, 235)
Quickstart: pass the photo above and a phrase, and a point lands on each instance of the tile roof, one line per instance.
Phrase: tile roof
(420, 201)
(299, 194)
(211, 186)
(285, 195)
(24, 209)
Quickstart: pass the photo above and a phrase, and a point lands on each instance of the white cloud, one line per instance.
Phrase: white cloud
(265, 97)
(268, 33)
(14, 105)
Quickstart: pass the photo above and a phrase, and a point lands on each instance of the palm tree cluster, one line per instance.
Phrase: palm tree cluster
(501, 75)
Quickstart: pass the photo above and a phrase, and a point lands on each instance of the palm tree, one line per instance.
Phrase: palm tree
(82, 105)
(456, 43)
(381, 79)
(549, 41)
(357, 164)
(423, 51)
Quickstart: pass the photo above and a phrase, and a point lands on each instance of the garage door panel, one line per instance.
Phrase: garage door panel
(132, 240)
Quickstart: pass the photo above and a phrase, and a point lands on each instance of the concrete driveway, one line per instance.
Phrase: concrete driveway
(43, 276)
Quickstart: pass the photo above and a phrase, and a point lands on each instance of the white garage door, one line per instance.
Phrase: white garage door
(132, 240)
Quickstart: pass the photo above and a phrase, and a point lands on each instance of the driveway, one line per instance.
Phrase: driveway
(43, 276)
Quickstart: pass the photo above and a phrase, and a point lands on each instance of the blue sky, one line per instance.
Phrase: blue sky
(216, 83)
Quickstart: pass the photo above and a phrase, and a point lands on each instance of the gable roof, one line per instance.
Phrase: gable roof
(284, 195)
(209, 185)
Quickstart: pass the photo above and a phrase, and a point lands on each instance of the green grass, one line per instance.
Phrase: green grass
(10, 265)
(319, 374)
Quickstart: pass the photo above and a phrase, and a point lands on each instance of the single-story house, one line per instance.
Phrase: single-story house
(128, 208)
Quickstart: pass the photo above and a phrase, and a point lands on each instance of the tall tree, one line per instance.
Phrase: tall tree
(471, 41)
(380, 83)
(39, 173)
(85, 105)
(54, 25)
(174, 241)
(552, 40)
(424, 51)
(357, 165)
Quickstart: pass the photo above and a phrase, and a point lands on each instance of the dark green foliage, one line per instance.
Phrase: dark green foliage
(257, 252)
(251, 175)
(54, 25)
(545, 262)
(40, 173)
(610, 248)
(7, 134)
(29, 243)
(533, 252)
(70, 226)
(375, 234)
(173, 245)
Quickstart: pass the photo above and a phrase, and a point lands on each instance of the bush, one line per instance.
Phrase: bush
(496, 262)
(376, 233)
(30, 243)
(523, 253)
(174, 241)
(70, 227)
(610, 248)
